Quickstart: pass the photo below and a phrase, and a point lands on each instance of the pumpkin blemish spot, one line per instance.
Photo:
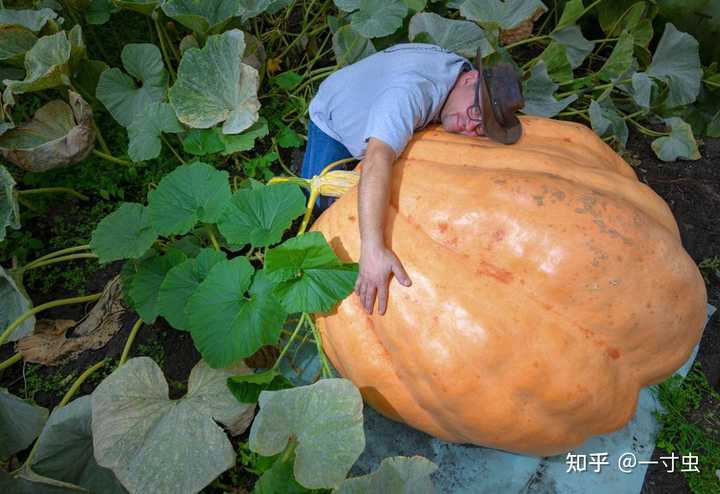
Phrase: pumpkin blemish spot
(614, 353)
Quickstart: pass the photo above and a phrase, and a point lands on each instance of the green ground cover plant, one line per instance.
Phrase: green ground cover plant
(175, 125)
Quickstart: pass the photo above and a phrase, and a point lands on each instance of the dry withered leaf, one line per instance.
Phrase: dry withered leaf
(51, 345)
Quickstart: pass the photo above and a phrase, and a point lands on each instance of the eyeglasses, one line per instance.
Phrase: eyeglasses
(474, 112)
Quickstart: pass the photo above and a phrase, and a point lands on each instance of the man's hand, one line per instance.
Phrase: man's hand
(376, 265)
(377, 262)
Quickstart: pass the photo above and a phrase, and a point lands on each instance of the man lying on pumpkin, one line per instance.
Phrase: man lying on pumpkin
(370, 109)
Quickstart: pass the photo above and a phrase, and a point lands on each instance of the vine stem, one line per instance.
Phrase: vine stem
(58, 253)
(56, 260)
(292, 337)
(53, 190)
(100, 137)
(526, 41)
(645, 130)
(129, 342)
(111, 158)
(318, 343)
(172, 148)
(7, 363)
(171, 71)
(49, 305)
(213, 238)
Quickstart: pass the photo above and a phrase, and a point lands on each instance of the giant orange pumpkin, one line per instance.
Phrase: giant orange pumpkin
(549, 286)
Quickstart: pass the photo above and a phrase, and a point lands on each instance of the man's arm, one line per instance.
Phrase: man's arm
(377, 262)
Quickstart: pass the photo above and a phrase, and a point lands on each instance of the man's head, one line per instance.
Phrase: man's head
(484, 102)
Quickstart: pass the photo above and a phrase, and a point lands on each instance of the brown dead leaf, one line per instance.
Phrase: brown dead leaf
(521, 31)
(55, 343)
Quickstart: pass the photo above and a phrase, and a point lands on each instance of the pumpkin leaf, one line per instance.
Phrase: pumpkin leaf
(308, 274)
(350, 46)
(58, 135)
(201, 142)
(15, 41)
(13, 304)
(154, 444)
(377, 18)
(190, 193)
(505, 14)
(326, 420)
(539, 92)
(287, 80)
(247, 9)
(123, 98)
(143, 6)
(146, 282)
(65, 450)
(9, 209)
(606, 120)
(201, 17)
(573, 10)
(260, 216)
(88, 75)
(677, 63)
(247, 387)
(146, 128)
(214, 86)
(399, 474)
(31, 19)
(679, 144)
(47, 63)
(181, 282)
(279, 479)
(620, 58)
(245, 141)
(288, 138)
(227, 326)
(577, 48)
(99, 11)
(642, 86)
(461, 37)
(20, 421)
(254, 54)
(126, 233)
(557, 62)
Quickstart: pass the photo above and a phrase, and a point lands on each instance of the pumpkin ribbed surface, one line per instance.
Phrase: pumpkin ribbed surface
(549, 286)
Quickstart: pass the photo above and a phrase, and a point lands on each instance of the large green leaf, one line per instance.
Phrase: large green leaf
(65, 450)
(377, 18)
(577, 48)
(572, 11)
(118, 91)
(157, 445)
(642, 86)
(190, 193)
(506, 14)
(14, 42)
(58, 135)
(247, 9)
(99, 11)
(260, 216)
(679, 144)
(539, 92)
(33, 20)
(226, 325)
(350, 46)
(203, 17)
(201, 142)
(620, 58)
(309, 276)
(145, 130)
(279, 479)
(461, 37)
(181, 282)
(20, 422)
(247, 387)
(399, 475)
(606, 121)
(214, 86)
(146, 282)
(126, 233)
(13, 304)
(9, 210)
(677, 62)
(557, 62)
(324, 418)
(46, 63)
(245, 141)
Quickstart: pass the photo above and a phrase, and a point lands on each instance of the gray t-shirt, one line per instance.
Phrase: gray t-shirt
(387, 95)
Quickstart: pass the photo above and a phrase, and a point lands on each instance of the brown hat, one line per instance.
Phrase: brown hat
(501, 98)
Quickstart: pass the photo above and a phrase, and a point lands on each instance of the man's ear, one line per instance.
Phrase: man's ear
(470, 77)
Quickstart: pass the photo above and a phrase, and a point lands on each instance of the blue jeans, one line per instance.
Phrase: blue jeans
(321, 150)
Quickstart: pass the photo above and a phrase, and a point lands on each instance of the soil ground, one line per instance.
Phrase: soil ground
(692, 190)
